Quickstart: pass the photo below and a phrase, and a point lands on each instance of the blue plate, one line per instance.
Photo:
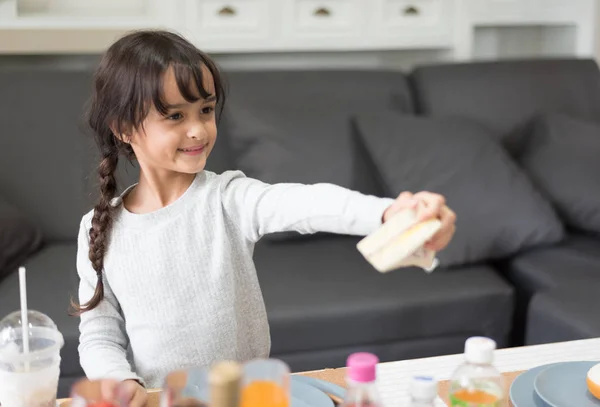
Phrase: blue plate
(305, 395)
(564, 385)
(522, 393)
(322, 385)
(304, 391)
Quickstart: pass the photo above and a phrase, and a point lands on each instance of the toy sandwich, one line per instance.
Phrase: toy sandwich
(399, 243)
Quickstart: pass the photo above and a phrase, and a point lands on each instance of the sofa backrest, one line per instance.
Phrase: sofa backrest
(48, 162)
(44, 159)
(505, 95)
(295, 126)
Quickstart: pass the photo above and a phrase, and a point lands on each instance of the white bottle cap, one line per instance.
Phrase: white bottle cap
(480, 350)
(423, 388)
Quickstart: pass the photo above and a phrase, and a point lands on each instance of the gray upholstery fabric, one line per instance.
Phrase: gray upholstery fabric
(321, 294)
(577, 259)
(19, 238)
(44, 161)
(564, 314)
(294, 126)
(562, 157)
(499, 213)
(505, 95)
(51, 283)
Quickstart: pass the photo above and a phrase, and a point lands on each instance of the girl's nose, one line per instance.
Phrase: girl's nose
(196, 131)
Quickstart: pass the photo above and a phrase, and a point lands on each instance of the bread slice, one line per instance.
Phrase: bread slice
(399, 243)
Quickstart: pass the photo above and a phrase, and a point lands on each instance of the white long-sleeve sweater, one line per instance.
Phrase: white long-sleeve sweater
(180, 284)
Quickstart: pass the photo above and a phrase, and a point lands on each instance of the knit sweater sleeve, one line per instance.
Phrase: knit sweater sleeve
(259, 208)
(102, 341)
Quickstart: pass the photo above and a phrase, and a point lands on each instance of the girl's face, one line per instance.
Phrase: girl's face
(181, 140)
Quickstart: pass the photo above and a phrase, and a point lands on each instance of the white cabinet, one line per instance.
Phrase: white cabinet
(414, 23)
(229, 25)
(219, 17)
(321, 25)
(324, 16)
(276, 26)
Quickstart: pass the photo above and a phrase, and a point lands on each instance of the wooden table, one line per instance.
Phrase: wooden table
(337, 376)
(393, 377)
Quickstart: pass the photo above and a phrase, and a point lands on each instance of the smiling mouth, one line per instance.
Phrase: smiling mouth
(192, 149)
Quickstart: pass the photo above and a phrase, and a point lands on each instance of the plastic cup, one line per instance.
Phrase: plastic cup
(186, 388)
(266, 383)
(29, 377)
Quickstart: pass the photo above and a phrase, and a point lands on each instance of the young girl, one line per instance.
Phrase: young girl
(167, 279)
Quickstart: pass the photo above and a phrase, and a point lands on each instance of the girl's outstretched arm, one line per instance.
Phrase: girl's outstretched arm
(102, 341)
(259, 208)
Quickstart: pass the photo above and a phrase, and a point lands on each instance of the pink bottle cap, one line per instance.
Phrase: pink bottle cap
(361, 367)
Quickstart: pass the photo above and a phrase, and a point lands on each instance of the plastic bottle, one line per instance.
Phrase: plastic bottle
(225, 382)
(423, 391)
(476, 382)
(361, 379)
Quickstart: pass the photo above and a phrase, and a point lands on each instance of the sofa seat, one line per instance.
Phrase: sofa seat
(564, 314)
(576, 259)
(321, 296)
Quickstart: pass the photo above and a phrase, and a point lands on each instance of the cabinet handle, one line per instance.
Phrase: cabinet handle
(322, 12)
(227, 11)
(411, 11)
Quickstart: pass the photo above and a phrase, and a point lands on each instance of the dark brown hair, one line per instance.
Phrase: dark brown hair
(127, 83)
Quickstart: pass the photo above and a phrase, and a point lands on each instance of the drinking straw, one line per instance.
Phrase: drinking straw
(24, 315)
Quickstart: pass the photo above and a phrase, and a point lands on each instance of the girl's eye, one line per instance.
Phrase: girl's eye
(175, 116)
(207, 110)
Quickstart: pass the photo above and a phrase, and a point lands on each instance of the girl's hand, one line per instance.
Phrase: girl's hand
(128, 392)
(132, 394)
(428, 205)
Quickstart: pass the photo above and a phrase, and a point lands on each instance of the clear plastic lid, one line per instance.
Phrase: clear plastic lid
(44, 338)
(423, 388)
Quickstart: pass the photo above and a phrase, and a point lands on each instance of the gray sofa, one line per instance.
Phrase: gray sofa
(323, 300)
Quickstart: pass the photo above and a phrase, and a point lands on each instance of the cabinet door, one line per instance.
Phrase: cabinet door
(414, 23)
(325, 16)
(322, 24)
(229, 24)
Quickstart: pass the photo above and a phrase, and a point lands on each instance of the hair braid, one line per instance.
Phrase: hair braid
(101, 227)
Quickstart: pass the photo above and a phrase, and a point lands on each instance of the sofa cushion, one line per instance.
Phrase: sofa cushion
(505, 95)
(294, 126)
(562, 157)
(44, 157)
(321, 294)
(19, 238)
(567, 313)
(576, 259)
(51, 283)
(499, 213)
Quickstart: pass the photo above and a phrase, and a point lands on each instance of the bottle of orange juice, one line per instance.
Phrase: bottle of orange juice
(476, 382)
(266, 383)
